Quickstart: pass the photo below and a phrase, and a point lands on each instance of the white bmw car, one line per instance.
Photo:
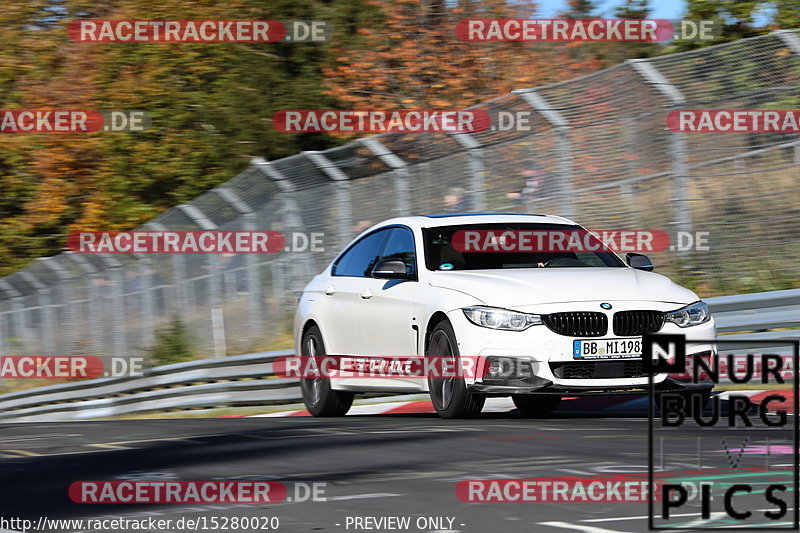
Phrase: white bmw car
(570, 322)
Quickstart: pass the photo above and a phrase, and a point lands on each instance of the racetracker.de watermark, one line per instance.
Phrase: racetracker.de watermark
(618, 489)
(198, 31)
(68, 367)
(72, 121)
(381, 120)
(196, 492)
(575, 241)
(586, 30)
(401, 367)
(192, 242)
(734, 120)
(179, 492)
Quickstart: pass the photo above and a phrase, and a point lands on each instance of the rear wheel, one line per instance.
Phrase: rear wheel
(449, 395)
(536, 405)
(318, 396)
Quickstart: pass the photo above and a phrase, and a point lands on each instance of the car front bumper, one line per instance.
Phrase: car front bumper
(545, 351)
(542, 386)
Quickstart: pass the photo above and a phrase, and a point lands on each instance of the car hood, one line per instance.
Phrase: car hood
(509, 288)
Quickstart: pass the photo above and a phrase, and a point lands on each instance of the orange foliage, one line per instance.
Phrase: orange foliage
(412, 58)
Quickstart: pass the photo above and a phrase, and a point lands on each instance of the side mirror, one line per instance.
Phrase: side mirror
(639, 261)
(391, 269)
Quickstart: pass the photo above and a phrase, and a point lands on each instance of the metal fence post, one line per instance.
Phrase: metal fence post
(5, 349)
(680, 174)
(23, 318)
(17, 320)
(792, 41)
(292, 221)
(476, 191)
(148, 308)
(45, 305)
(341, 191)
(399, 173)
(683, 214)
(563, 146)
(251, 260)
(93, 298)
(67, 300)
(5, 316)
(180, 298)
(119, 341)
(214, 275)
(279, 286)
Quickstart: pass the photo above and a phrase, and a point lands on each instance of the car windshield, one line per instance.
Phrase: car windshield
(499, 246)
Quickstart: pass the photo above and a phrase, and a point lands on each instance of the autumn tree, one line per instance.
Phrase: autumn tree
(211, 107)
(408, 56)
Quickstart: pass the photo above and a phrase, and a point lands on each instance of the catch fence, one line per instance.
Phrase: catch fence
(597, 151)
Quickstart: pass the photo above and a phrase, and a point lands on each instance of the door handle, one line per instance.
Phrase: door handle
(367, 294)
(330, 290)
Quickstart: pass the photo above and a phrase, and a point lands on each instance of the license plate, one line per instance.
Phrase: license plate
(607, 349)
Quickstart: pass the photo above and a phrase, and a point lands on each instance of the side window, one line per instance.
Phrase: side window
(359, 260)
(400, 245)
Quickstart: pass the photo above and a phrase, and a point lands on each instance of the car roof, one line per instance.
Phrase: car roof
(451, 219)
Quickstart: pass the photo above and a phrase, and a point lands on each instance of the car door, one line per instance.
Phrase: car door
(386, 318)
(342, 297)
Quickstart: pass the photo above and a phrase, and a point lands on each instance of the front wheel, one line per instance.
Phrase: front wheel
(449, 395)
(536, 405)
(318, 396)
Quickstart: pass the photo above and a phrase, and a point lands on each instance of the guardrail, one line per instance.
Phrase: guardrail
(761, 315)
(225, 382)
(247, 380)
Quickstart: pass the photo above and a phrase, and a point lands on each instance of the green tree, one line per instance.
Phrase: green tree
(739, 18)
(617, 52)
(787, 14)
(579, 9)
(633, 9)
(172, 344)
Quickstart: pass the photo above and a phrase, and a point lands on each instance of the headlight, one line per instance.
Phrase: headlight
(494, 318)
(691, 315)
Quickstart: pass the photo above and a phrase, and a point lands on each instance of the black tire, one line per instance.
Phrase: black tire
(450, 396)
(536, 405)
(318, 396)
(692, 400)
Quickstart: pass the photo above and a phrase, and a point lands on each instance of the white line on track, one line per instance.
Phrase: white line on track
(644, 517)
(579, 527)
(362, 496)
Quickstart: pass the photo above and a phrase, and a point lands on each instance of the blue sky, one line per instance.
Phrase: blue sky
(662, 9)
